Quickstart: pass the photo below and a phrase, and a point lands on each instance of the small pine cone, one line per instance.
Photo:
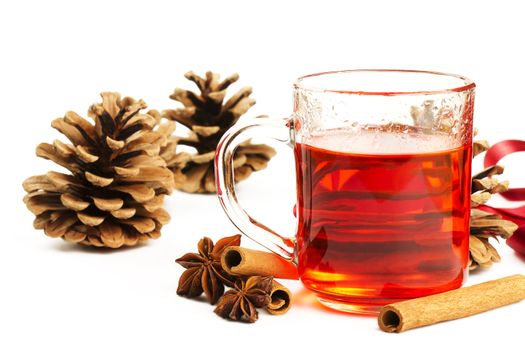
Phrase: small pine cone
(208, 117)
(485, 225)
(114, 194)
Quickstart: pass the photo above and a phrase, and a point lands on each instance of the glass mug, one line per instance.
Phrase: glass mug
(383, 166)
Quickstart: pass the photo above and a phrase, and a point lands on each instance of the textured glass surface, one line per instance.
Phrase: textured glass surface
(393, 101)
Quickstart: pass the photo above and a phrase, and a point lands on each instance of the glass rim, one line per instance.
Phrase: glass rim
(466, 83)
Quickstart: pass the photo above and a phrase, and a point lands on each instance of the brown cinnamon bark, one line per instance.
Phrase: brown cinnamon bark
(399, 317)
(249, 262)
(281, 299)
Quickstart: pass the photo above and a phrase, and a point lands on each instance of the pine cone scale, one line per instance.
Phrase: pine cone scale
(111, 235)
(74, 236)
(63, 182)
(242, 173)
(40, 221)
(183, 116)
(257, 163)
(73, 202)
(217, 96)
(479, 147)
(239, 160)
(141, 224)
(97, 180)
(90, 219)
(71, 132)
(201, 83)
(93, 240)
(84, 155)
(38, 182)
(123, 172)
(84, 127)
(63, 149)
(228, 81)
(203, 158)
(123, 213)
(47, 151)
(39, 203)
(148, 174)
(114, 145)
(189, 178)
(205, 131)
(59, 226)
(490, 171)
(140, 193)
(108, 204)
(109, 104)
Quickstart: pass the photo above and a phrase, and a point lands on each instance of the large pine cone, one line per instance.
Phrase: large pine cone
(208, 118)
(116, 188)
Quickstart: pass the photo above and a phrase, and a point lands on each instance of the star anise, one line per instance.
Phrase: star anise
(204, 272)
(240, 302)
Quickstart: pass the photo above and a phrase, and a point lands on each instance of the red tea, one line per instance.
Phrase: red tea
(382, 223)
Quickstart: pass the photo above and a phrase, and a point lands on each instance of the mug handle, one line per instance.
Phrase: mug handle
(277, 129)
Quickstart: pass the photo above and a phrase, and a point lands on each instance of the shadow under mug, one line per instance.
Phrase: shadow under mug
(383, 168)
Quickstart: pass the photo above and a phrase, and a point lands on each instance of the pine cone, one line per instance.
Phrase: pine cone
(208, 117)
(485, 225)
(116, 188)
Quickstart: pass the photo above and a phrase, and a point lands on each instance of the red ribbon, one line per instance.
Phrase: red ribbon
(517, 215)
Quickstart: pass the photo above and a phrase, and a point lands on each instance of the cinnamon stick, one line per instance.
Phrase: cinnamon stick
(281, 299)
(399, 317)
(249, 262)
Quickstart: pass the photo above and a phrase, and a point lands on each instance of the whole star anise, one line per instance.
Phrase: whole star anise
(204, 272)
(240, 302)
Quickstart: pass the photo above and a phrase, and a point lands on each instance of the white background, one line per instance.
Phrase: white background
(57, 57)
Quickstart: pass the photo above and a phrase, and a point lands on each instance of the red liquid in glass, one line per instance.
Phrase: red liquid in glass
(377, 228)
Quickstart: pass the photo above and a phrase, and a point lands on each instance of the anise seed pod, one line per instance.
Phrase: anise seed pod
(204, 273)
(241, 302)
